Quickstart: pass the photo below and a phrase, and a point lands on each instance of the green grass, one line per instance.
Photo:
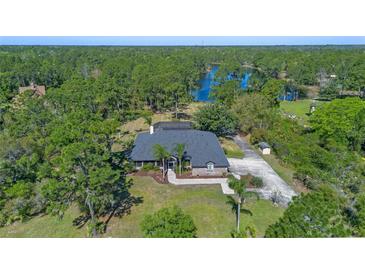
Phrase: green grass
(206, 204)
(140, 123)
(230, 148)
(300, 108)
(284, 171)
(45, 227)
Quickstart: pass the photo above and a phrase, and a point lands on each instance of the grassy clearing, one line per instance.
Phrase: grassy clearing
(128, 131)
(206, 204)
(231, 149)
(139, 124)
(299, 108)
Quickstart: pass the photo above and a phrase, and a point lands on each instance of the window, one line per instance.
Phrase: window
(139, 164)
(210, 167)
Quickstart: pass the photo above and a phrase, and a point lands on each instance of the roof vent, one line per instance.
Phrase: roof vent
(151, 129)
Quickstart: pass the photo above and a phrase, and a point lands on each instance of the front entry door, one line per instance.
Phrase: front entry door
(171, 164)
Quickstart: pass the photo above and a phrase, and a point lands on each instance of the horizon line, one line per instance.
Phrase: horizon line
(197, 41)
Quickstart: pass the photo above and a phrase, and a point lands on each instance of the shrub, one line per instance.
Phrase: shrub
(149, 167)
(248, 232)
(257, 182)
(258, 135)
(169, 223)
(309, 176)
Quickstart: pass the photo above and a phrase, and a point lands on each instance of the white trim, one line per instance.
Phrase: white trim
(210, 167)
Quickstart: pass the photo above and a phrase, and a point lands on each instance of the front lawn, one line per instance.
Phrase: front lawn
(206, 204)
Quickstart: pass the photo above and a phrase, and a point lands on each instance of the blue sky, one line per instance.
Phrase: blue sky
(181, 40)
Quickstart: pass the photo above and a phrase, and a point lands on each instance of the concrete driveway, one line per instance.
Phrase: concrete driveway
(274, 187)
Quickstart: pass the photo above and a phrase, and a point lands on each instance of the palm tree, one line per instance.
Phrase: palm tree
(147, 116)
(148, 119)
(180, 149)
(241, 194)
(161, 154)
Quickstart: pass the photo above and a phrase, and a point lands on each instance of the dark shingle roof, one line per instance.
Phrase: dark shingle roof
(263, 145)
(172, 125)
(201, 146)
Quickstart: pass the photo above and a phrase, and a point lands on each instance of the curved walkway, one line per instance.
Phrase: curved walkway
(171, 176)
(274, 187)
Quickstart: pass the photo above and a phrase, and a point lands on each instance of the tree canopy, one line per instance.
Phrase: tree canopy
(215, 118)
(338, 120)
(253, 111)
(316, 214)
(169, 223)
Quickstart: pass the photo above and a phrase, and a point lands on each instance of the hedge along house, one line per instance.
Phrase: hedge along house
(203, 153)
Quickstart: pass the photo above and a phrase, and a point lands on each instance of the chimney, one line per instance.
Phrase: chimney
(151, 129)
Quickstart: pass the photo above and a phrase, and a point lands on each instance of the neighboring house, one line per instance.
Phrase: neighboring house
(265, 148)
(352, 93)
(312, 107)
(38, 90)
(289, 94)
(203, 153)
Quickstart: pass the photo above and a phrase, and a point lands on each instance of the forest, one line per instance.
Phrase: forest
(56, 150)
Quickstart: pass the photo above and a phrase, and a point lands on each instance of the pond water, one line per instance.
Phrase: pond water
(202, 94)
(208, 81)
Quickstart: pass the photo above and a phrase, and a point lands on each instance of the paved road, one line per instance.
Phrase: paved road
(252, 163)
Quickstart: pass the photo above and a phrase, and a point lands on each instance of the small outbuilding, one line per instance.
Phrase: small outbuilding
(265, 148)
(312, 107)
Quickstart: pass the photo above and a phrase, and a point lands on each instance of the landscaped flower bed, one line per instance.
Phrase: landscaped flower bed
(157, 175)
(190, 176)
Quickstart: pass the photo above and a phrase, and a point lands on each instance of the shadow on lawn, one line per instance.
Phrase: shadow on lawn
(123, 208)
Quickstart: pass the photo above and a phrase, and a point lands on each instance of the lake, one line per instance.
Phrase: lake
(208, 81)
(202, 94)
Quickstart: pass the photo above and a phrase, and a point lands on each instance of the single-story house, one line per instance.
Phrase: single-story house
(203, 153)
(265, 148)
(37, 90)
